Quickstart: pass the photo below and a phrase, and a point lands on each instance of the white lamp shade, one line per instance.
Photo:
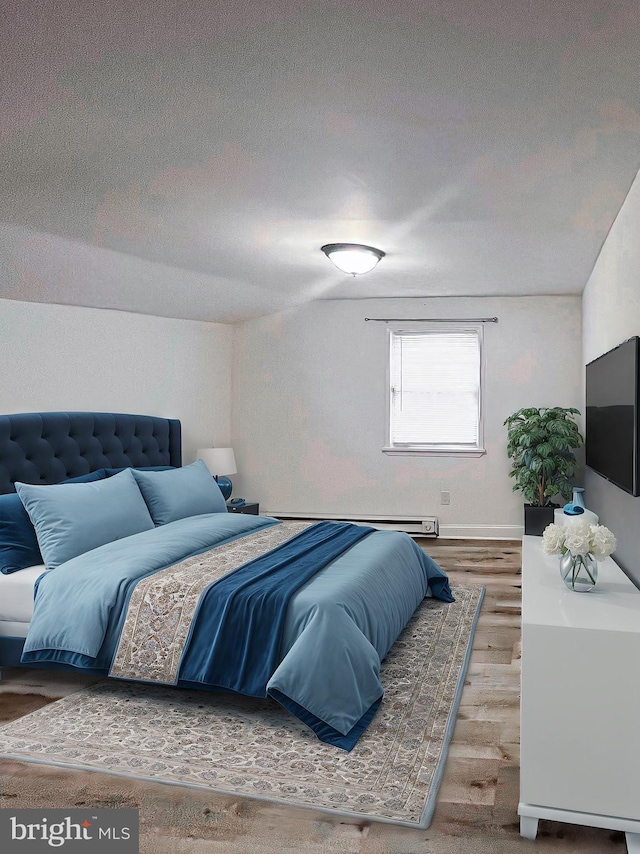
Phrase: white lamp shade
(219, 461)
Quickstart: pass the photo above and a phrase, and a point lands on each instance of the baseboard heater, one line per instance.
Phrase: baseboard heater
(427, 527)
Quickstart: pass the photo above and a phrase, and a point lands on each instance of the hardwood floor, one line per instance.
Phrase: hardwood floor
(478, 798)
(482, 765)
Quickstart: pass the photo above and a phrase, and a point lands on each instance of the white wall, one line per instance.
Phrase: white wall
(308, 409)
(611, 314)
(56, 357)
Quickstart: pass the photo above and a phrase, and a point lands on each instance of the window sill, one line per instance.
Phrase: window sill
(435, 452)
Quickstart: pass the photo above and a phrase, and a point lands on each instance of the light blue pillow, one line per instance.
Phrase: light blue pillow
(18, 542)
(187, 491)
(72, 521)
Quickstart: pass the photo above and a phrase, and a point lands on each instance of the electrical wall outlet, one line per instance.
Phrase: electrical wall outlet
(445, 497)
(430, 526)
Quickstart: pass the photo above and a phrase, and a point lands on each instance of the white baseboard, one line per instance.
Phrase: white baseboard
(482, 532)
(414, 525)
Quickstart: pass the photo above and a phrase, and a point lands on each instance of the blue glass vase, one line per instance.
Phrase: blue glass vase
(576, 506)
(578, 500)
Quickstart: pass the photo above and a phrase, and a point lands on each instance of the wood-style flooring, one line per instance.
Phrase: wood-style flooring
(476, 811)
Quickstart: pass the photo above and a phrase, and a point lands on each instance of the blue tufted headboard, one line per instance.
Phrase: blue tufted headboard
(48, 447)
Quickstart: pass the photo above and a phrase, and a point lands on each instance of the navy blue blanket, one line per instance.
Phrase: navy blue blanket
(236, 636)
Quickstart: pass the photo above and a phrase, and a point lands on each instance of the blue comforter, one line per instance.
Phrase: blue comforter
(335, 628)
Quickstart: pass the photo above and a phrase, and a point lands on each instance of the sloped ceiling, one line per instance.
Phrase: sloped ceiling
(188, 159)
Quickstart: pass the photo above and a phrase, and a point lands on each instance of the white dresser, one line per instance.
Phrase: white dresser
(580, 704)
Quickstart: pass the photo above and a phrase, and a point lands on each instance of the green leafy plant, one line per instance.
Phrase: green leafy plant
(540, 445)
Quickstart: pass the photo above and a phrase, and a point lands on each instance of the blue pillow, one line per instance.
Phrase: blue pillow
(18, 542)
(187, 491)
(70, 522)
(111, 472)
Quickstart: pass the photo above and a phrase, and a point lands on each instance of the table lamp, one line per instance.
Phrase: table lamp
(220, 462)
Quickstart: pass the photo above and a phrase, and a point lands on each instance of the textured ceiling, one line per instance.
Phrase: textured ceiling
(188, 159)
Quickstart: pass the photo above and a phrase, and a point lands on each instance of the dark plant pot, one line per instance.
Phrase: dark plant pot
(536, 519)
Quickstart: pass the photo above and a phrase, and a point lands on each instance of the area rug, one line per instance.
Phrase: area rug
(254, 748)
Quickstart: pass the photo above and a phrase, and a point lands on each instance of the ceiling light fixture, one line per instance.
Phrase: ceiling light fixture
(353, 258)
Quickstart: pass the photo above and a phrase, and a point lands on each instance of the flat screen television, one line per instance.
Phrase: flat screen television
(611, 441)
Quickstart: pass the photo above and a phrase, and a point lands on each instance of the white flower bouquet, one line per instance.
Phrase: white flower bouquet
(581, 545)
(579, 538)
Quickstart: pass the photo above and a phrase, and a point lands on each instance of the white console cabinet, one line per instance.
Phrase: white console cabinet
(580, 703)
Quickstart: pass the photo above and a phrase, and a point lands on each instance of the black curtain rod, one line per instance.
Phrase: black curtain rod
(433, 319)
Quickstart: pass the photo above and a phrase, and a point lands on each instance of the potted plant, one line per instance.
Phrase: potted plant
(541, 444)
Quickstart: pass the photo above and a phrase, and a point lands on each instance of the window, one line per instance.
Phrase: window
(435, 400)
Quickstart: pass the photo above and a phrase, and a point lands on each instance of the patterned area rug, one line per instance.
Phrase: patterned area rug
(254, 748)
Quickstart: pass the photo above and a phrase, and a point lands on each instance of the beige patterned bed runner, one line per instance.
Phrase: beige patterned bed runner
(162, 605)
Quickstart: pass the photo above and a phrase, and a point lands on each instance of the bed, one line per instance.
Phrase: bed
(116, 559)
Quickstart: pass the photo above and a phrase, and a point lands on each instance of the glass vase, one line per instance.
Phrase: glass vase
(579, 572)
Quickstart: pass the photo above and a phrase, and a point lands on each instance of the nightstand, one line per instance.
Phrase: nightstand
(253, 509)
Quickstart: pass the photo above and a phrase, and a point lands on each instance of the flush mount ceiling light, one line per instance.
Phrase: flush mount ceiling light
(353, 258)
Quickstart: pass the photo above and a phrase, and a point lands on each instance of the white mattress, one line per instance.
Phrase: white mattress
(16, 601)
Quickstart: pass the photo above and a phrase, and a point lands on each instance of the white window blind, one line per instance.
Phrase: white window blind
(435, 394)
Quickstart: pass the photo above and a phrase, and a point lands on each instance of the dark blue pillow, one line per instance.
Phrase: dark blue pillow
(18, 543)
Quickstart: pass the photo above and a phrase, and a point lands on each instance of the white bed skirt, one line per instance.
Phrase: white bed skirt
(16, 601)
